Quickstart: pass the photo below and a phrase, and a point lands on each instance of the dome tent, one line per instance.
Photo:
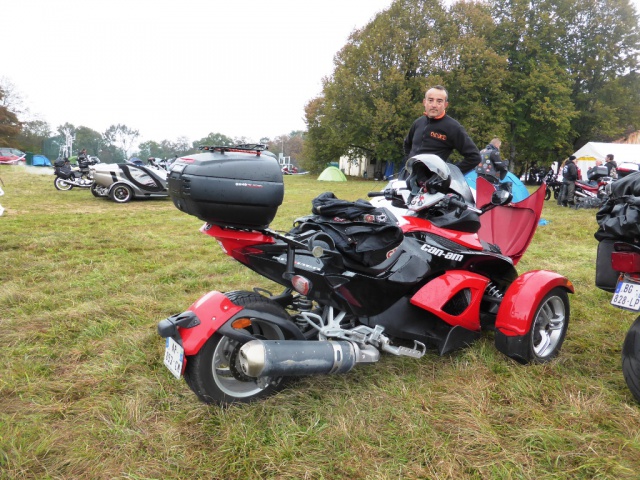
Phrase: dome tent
(332, 174)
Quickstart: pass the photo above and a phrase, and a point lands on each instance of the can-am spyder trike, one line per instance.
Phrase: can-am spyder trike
(357, 282)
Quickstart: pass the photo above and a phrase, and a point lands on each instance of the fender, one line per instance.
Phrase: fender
(213, 310)
(215, 313)
(523, 297)
(435, 295)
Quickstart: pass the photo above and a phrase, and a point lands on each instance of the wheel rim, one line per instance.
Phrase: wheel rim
(121, 194)
(225, 366)
(62, 185)
(223, 375)
(548, 327)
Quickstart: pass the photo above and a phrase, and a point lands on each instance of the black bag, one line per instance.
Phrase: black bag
(606, 276)
(619, 217)
(360, 231)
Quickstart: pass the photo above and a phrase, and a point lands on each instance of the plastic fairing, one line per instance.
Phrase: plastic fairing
(510, 227)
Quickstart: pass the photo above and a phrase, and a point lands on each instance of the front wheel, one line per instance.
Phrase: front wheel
(60, 184)
(121, 193)
(214, 373)
(631, 359)
(547, 194)
(545, 336)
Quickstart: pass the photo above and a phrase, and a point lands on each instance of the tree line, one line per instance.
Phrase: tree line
(116, 144)
(546, 76)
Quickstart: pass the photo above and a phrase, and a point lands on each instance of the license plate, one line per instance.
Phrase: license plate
(627, 296)
(173, 357)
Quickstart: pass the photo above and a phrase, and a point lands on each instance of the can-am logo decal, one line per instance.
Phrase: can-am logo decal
(438, 252)
(249, 185)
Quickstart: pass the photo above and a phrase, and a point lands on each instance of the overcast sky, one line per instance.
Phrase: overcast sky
(243, 68)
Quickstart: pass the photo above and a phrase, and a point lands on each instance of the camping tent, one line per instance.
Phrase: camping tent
(41, 161)
(518, 190)
(622, 153)
(332, 174)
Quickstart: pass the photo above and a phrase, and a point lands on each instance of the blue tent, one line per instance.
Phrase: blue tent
(518, 189)
(41, 161)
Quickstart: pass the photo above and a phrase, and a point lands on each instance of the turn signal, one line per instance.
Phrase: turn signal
(241, 323)
(301, 284)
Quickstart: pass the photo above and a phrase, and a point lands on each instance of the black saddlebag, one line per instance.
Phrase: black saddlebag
(361, 232)
(618, 220)
(226, 187)
(606, 276)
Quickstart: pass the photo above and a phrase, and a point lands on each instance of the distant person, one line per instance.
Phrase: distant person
(611, 166)
(492, 167)
(437, 133)
(593, 174)
(569, 177)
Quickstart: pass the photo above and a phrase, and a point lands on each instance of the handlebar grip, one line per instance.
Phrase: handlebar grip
(375, 194)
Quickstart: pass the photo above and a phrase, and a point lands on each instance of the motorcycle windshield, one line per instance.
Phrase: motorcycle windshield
(510, 227)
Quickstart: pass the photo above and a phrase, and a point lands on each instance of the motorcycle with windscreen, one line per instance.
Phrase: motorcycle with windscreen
(356, 282)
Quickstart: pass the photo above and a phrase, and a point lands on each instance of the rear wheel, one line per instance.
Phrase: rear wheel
(98, 190)
(121, 193)
(631, 359)
(214, 373)
(60, 184)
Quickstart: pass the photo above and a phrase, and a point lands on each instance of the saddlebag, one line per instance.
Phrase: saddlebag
(361, 232)
(229, 187)
(618, 220)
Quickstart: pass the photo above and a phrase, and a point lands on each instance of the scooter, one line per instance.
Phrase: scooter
(357, 282)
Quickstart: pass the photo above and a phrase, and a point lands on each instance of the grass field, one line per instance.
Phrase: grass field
(84, 394)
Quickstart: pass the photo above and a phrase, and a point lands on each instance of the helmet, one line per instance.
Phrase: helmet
(429, 179)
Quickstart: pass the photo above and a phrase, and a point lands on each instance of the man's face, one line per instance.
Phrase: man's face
(435, 103)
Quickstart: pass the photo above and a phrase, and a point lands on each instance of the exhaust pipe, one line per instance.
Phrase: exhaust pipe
(289, 358)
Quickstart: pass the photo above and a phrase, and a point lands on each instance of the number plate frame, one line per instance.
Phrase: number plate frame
(174, 357)
(627, 295)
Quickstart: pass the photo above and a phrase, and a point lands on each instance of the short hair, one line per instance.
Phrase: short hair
(439, 87)
(496, 142)
(610, 156)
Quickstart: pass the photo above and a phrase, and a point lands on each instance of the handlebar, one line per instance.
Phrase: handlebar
(375, 194)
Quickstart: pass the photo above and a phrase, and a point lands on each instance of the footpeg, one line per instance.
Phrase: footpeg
(418, 350)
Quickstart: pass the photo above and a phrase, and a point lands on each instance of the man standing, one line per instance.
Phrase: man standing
(492, 167)
(569, 177)
(437, 133)
(611, 166)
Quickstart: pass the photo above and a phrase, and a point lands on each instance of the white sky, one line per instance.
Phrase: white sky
(243, 68)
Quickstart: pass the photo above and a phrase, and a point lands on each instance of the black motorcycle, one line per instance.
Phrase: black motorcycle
(68, 177)
(553, 185)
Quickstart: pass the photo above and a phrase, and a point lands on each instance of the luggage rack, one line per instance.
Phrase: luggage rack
(258, 148)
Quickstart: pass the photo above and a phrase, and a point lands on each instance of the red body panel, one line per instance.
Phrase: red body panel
(523, 296)
(510, 227)
(434, 295)
(212, 309)
(415, 224)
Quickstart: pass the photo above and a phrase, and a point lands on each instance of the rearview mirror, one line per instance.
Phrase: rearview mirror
(501, 197)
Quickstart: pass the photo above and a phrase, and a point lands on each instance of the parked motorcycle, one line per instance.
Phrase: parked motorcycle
(122, 182)
(553, 185)
(357, 282)
(618, 265)
(68, 177)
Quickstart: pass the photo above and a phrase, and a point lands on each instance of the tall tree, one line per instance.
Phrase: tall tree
(34, 133)
(10, 126)
(121, 138)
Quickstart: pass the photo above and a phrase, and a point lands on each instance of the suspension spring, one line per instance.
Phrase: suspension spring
(493, 290)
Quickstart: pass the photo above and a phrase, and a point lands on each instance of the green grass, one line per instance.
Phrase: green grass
(84, 394)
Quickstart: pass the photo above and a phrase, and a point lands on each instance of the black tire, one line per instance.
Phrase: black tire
(214, 373)
(631, 359)
(60, 184)
(547, 194)
(545, 337)
(98, 191)
(121, 193)
(556, 193)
